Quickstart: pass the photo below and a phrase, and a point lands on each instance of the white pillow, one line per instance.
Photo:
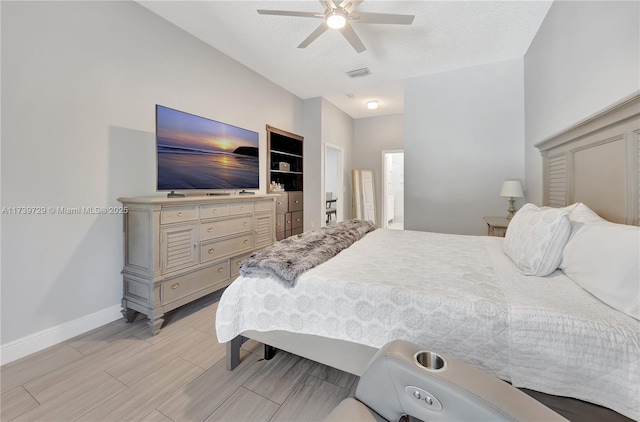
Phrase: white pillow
(604, 258)
(581, 213)
(535, 239)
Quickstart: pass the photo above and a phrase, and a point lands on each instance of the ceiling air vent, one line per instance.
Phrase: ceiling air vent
(359, 73)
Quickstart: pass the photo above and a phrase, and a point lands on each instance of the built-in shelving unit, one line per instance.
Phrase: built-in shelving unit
(285, 167)
(284, 155)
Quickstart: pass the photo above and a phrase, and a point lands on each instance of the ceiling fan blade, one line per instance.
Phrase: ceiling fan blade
(290, 13)
(353, 38)
(315, 34)
(328, 4)
(362, 17)
(350, 5)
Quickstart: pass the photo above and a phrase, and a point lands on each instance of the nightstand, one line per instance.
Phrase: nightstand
(497, 226)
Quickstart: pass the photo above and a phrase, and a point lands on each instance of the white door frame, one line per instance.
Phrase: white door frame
(383, 179)
(340, 205)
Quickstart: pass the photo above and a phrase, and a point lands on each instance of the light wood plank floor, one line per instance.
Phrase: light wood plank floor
(120, 372)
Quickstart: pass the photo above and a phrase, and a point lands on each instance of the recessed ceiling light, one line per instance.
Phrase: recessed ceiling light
(351, 95)
(372, 105)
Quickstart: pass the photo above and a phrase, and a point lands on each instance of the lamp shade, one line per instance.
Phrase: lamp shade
(512, 188)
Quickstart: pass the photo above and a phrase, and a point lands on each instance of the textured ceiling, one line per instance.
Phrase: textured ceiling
(445, 35)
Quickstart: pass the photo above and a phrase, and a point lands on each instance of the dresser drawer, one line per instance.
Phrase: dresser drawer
(241, 208)
(497, 231)
(287, 221)
(185, 285)
(295, 201)
(225, 228)
(214, 210)
(282, 204)
(264, 206)
(235, 264)
(216, 250)
(280, 219)
(296, 220)
(178, 214)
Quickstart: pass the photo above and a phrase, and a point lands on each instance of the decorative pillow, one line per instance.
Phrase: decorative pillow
(604, 258)
(535, 239)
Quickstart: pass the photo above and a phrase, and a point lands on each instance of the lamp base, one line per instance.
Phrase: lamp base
(511, 209)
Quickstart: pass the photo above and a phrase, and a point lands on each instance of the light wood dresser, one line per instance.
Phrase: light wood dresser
(177, 250)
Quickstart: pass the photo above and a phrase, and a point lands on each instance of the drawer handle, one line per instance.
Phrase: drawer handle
(298, 220)
(210, 229)
(297, 202)
(238, 263)
(210, 250)
(246, 241)
(215, 210)
(244, 224)
(175, 286)
(289, 222)
(279, 203)
(180, 214)
(220, 269)
(241, 208)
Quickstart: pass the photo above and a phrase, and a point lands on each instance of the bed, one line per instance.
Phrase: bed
(462, 295)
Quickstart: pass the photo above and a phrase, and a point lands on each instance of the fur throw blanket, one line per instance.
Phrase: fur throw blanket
(287, 259)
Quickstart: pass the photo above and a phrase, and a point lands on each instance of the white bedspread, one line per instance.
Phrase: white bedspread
(461, 296)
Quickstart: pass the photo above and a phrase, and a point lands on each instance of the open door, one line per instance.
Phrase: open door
(392, 180)
(333, 184)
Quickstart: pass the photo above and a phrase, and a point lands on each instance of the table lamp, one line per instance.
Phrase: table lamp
(512, 189)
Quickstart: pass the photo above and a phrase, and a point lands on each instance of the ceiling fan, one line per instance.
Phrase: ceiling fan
(340, 17)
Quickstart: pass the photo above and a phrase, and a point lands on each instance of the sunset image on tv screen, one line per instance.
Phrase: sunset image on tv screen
(199, 153)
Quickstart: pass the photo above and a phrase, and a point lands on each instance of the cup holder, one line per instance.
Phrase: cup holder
(430, 361)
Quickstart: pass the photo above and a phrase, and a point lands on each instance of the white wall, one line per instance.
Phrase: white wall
(464, 135)
(372, 136)
(313, 165)
(585, 56)
(79, 85)
(324, 123)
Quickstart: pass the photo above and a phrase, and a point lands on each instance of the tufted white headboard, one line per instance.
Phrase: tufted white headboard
(596, 162)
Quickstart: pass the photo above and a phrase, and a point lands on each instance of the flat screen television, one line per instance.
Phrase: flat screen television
(198, 153)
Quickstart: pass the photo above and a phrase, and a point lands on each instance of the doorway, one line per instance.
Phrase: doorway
(393, 189)
(333, 184)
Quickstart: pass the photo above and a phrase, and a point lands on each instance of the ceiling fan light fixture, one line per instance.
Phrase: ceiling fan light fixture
(372, 105)
(336, 19)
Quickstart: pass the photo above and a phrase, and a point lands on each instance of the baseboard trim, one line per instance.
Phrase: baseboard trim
(51, 336)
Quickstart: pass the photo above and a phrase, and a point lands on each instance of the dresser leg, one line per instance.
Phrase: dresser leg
(129, 315)
(155, 324)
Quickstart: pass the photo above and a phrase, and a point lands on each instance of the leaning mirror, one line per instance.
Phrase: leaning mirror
(364, 198)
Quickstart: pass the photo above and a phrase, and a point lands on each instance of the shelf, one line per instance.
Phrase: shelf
(273, 151)
(285, 172)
